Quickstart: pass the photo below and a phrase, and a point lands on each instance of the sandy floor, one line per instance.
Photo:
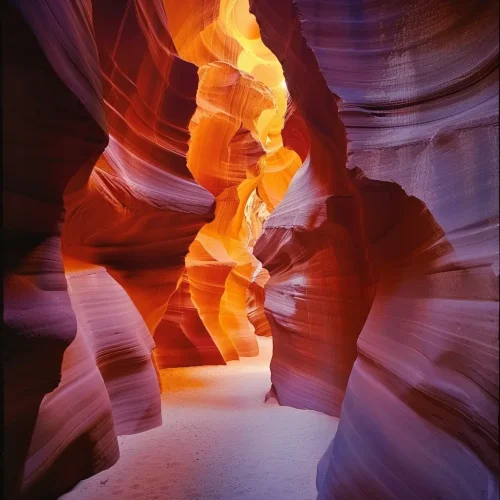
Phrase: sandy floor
(219, 440)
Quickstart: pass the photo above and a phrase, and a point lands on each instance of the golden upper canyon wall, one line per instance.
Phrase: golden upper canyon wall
(236, 152)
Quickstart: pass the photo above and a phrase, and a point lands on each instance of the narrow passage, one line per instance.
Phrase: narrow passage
(218, 441)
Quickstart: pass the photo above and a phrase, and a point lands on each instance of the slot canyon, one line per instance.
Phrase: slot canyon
(251, 249)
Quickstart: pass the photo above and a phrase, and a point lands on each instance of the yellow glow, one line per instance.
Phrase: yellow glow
(241, 88)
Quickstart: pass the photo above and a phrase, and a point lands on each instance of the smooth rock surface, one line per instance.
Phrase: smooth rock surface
(51, 135)
(313, 244)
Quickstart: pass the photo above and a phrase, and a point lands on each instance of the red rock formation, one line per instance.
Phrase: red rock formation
(108, 387)
(141, 208)
(255, 304)
(256, 214)
(420, 414)
(380, 279)
(427, 367)
(181, 337)
(51, 135)
(141, 185)
(313, 246)
(106, 381)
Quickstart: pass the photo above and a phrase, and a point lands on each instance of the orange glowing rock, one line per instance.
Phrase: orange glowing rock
(219, 258)
(136, 216)
(236, 151)
(255, 304)
(279, 167)
(181, 337)
(165, 184)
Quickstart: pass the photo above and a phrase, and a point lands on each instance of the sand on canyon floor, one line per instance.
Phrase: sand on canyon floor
(218, 441)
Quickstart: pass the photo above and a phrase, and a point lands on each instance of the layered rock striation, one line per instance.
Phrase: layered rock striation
(181, 178)
(52, 139)
(237, 153)
(126, 218)
(419, 90)
(313, 244)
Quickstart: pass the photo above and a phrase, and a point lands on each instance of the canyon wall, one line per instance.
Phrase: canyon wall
(51, 136)
(237, 153)
(108, 223)
(190, 176)
(313, 245)
(98, 233)
(418, 87)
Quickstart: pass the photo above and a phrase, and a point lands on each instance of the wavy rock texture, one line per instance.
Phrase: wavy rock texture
(108, 387)
(255, 304)
(121, 347)
(256, 214)
(320, 289)
(179, 170)
(428, 356)
(141, 184)
(140, 210)
(105, 382)
(138, 213)
(236, 153)
(51, 135)
(219, 260)
(421, 110)
(420, 92)
(181, 337)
